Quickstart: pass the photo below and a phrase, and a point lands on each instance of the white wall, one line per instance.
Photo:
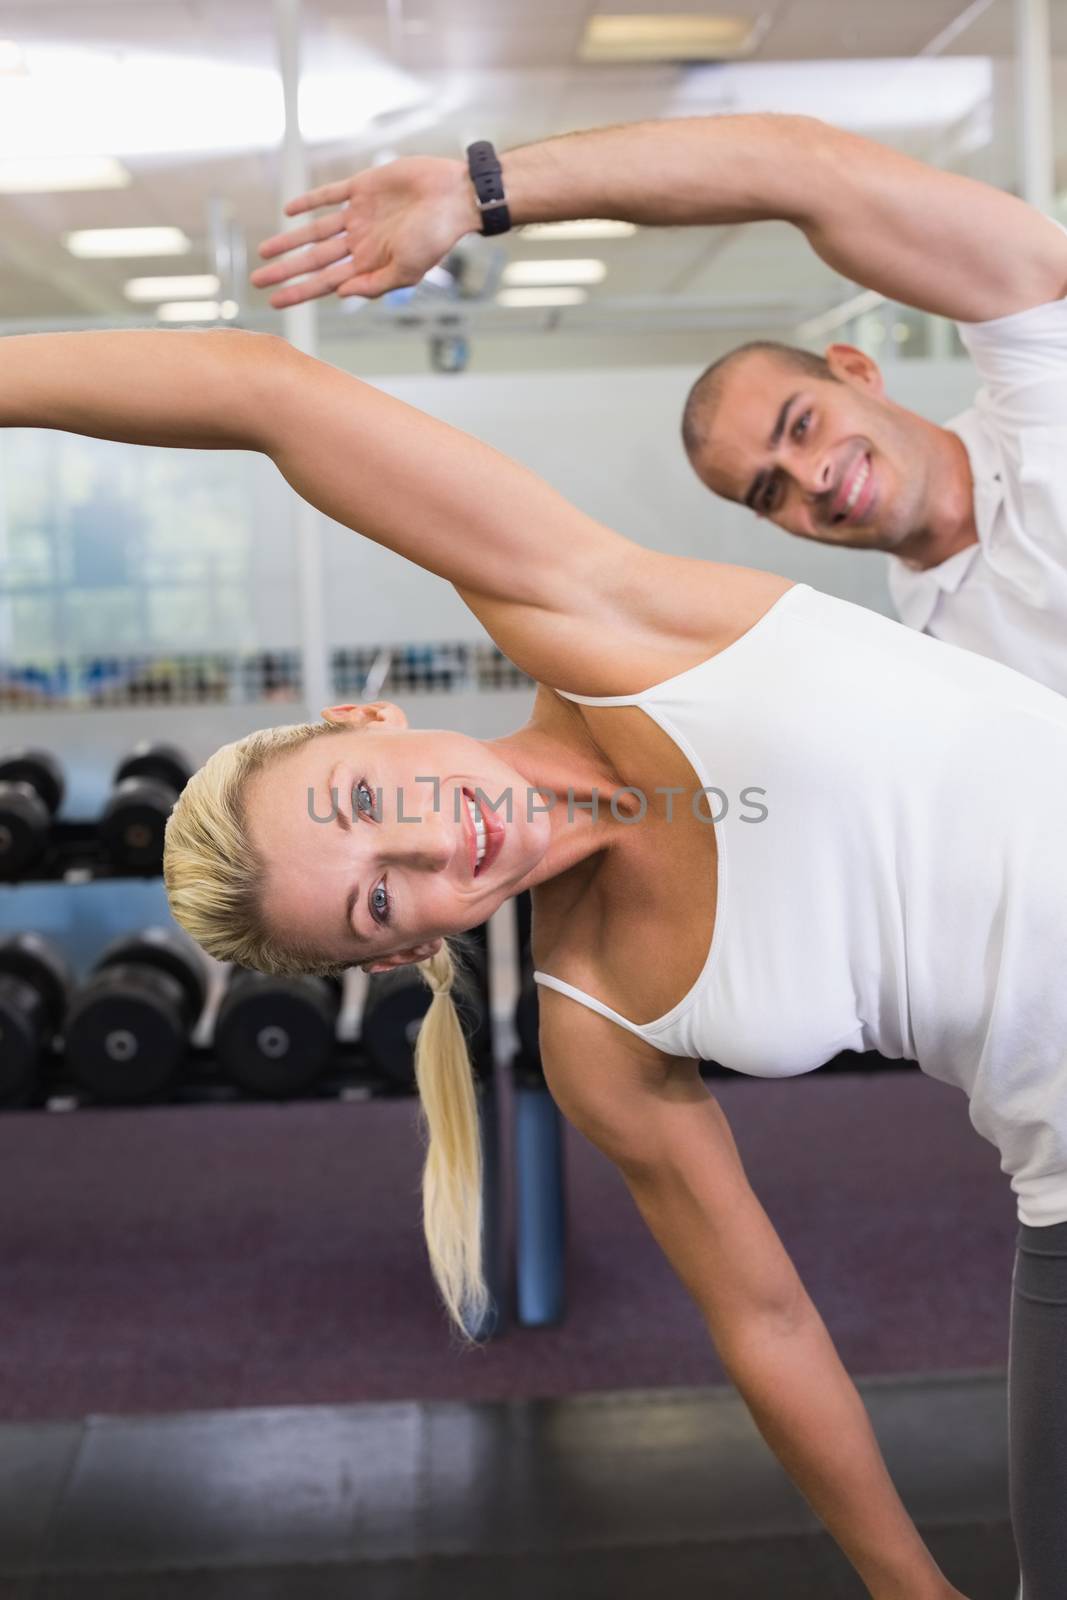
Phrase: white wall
(609, 441)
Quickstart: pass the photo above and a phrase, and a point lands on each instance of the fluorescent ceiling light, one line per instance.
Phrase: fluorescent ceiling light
(57, 174)
(578, 270)
(192, 284)
(677, 37)
(12, 58)
(541, 297)
(135, 103)
(589, 228)
(110, 244)
(189, 311)
(880, 96)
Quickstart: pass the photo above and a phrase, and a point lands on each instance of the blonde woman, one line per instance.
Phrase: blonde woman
(760, 825)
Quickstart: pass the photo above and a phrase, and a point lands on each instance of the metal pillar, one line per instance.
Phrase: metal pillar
(299, 327)
(1033, 50)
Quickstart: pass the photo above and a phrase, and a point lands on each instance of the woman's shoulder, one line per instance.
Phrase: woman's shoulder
(663, 616)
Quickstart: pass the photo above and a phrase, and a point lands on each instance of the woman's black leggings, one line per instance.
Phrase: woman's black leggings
(1037, 1411)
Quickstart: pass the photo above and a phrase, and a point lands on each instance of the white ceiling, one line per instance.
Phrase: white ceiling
(504, 69)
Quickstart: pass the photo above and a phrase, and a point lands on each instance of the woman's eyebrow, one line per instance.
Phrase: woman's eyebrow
(334, 790)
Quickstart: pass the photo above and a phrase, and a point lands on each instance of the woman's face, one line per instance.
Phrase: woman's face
(370, 845)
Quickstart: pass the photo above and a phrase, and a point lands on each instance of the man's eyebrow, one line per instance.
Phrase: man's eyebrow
(779, 427)
(759, 481)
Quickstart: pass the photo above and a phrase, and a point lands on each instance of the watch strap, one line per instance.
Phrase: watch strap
(487, 176)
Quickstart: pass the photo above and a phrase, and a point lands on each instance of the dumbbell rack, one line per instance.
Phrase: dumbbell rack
(203, 1082)
(73, 856)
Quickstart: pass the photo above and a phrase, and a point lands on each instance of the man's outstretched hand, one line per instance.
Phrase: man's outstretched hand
(393, 224)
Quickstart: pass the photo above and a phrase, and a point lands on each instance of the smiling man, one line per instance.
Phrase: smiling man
(973, 514)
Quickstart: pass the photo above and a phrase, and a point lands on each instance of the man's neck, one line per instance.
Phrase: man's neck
(950, 526)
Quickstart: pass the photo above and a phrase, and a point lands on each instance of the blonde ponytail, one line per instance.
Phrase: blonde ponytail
(452, 1175)
(214, 881)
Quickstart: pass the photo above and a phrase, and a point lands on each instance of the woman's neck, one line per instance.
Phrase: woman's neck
(571, 780)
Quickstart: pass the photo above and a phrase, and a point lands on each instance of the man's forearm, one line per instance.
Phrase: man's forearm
(932, 239)
(684, 171)
(808, 1410)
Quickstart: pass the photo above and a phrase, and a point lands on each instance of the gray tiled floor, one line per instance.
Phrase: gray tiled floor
(605, 1494)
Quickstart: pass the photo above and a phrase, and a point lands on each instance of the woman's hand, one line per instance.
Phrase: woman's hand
(395, 222)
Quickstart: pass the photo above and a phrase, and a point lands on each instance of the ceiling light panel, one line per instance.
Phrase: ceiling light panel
(590, 228)
(669, 37)
(191, 285)
(12, 59)
(111, 244)
(189, 311)
(61, 174)
(137, 102)
(542, 297)
(536, 273)
(881, 96)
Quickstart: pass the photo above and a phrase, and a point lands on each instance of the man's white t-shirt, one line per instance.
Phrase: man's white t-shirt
(1006, 596)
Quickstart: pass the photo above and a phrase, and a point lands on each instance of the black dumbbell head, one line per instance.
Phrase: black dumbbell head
(33, 994)
(393, 1011)
(24, 824)
(133, 824)
(23, 1036)
(163, 950)
(35, 961)
(397, 1002)
(164, 763)
(127, 1032)
(275, 1036)
(38, 768)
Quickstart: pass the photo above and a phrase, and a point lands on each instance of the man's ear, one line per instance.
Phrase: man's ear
(377, 713)
(853, 366)
(403, 958)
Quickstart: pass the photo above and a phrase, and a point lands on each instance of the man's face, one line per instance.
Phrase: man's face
(828, 460)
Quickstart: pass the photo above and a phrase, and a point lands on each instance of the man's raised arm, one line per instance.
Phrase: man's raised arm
(932, 239)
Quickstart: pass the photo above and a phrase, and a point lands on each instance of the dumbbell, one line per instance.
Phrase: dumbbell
(31, 790)
(128, 1027)
(145, 786)
(398, 1001)
(275, 1036)
(33, 997)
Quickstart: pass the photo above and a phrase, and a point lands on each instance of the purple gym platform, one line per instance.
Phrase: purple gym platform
(176, 1259)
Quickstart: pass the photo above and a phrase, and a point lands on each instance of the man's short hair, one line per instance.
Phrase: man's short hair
(706, 394)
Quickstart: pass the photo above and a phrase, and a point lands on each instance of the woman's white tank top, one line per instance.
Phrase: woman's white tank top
(892, 868)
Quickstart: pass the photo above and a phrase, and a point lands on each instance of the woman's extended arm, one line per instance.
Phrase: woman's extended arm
(654, 1118)
(572, 603)
(405, 480)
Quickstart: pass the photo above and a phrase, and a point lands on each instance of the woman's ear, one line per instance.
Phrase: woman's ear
(403, 958)
(382, 713)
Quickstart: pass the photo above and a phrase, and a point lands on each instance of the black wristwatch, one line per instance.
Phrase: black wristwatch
(488, 180)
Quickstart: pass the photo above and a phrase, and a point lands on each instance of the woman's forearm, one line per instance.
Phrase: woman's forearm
(195, 390)
(810, 1413)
